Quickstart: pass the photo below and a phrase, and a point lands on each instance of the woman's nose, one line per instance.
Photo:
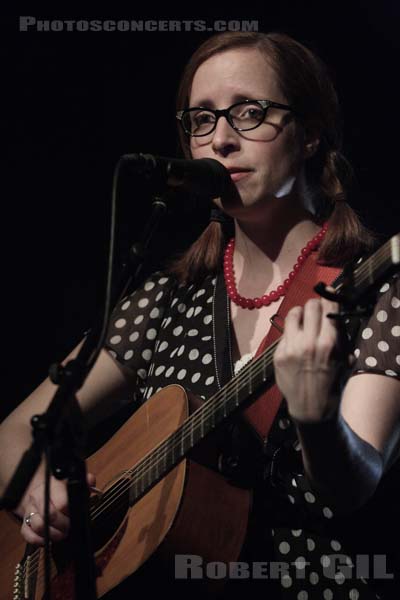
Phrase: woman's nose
(225, 138)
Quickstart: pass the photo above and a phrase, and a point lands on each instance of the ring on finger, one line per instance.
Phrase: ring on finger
(28, 519)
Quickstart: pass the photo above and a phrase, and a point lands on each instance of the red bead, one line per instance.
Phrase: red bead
(265, 300)
(242, 301)
(273, 295)
(296, 267)
(250, 303)
(292, 275)
(280, 289)
(258, 302)
(286, 283)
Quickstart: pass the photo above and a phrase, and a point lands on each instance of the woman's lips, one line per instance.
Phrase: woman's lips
(238, 175)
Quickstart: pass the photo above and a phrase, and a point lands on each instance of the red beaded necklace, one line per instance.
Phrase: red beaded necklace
(281, 290)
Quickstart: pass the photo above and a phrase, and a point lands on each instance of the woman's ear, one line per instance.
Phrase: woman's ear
(311, 147)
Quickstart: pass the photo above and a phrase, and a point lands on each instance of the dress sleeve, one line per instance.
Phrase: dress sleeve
(135, 324)
(377, 347)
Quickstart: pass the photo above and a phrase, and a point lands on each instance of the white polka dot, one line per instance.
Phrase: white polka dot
(155, 313)
(115, 339)
(193, 354)
(207, 358)
(382, 316)
(147, 354)
(371, 361)
(151, 334)
(120, 323)
(181, 374)
(214, 281)
(297, 532)
(209, 300)
(314, 578)
(328, 594)
(325, 561)
(340, 578)
(354, 594)
(206, 338)
(126, 305)
(384, 288)
(174, 301)
(327, 512)
(181, 350)
(291, 499)
(286, 581)
(190, 312)
(143, 302)
(284, 548)
(310, 544)
(395, 331)
(149, 285)
(395, 302)
(335, 545)
(128, 354)
(309, 497)
(197, 310)
(294, 484)
(163, 280)
(149, 392)
(174, 351)
(181, 308)
(367, 333)
(169, 371)
(112, 353)
(178, 330)
(284, 423)
(391, 373)
(209, 380)
(195, 377)
(303, 595)
(383, 346)
(398, 359)
(356, 352)
(300, 563)
(159, 296)
(166, 322)
(160, 370)
(163, 346)
(207, 319)
(138, 319)
(193, 332)
(142, 373)
(200, 293)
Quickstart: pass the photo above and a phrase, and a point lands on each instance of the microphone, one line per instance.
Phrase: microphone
(205, 177)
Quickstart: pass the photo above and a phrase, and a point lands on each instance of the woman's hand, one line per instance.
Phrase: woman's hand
(32, 511)
(305, 363)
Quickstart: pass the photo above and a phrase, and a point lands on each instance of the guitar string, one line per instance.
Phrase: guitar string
(211, 407)
(140, 467)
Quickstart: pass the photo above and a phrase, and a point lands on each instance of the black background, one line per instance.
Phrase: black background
(73, 102)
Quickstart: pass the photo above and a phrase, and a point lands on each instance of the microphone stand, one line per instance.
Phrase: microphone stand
(59, 432)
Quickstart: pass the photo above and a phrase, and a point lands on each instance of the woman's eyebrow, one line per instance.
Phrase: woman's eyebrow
(239, 97)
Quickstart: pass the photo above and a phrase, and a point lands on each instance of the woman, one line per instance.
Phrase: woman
(264, 107)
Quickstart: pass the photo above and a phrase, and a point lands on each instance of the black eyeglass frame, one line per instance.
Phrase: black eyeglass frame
(225, 112)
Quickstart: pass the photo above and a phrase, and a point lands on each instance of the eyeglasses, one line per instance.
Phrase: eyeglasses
(242, 116)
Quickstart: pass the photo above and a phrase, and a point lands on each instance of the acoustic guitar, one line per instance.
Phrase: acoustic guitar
(154, 498)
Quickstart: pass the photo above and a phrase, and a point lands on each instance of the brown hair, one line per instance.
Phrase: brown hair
(305, 82)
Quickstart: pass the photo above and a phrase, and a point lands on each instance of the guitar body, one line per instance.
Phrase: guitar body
(191, 510)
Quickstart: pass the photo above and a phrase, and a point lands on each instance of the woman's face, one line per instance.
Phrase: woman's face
(268, 157)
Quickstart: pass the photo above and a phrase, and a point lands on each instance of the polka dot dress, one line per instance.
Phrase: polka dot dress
(377, 349)
(165, 333)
